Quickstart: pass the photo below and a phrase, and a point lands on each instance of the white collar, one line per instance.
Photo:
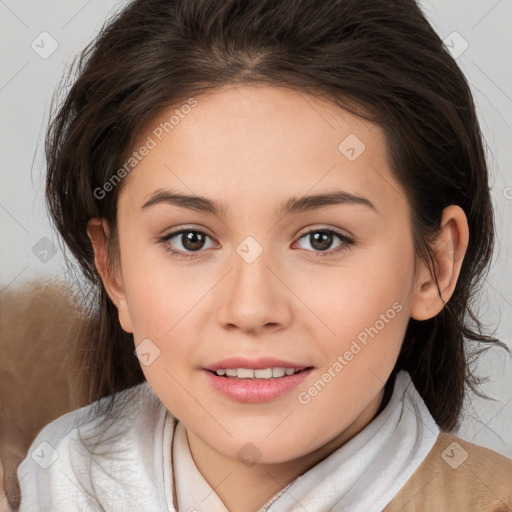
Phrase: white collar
(363, 474)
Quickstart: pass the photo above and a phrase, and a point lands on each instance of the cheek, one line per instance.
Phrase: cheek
(159, 293)
(361, 288)
(362, 307)
(161, 300)
(161, 306)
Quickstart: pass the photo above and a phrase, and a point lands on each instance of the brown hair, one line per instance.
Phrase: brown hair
(379, 59)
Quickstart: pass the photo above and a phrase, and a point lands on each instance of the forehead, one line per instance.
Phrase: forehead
(252, 139)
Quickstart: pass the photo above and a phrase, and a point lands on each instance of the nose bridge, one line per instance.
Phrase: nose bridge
(251, 276)
(251, 264)
(254, 295)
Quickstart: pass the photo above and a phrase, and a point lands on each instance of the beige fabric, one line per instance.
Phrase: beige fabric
(448, 481)
(38, 368)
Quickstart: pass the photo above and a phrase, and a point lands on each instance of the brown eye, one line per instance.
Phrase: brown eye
(321, 241)
(185, 242)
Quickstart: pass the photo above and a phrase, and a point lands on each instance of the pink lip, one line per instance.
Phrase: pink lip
(256, 364)
(255, 390)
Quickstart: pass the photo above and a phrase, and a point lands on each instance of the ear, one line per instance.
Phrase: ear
(98, 233)
(448, 252)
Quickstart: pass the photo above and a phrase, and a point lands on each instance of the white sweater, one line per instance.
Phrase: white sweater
(76, 463)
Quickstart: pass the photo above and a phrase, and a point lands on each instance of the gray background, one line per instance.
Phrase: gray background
(28, 77)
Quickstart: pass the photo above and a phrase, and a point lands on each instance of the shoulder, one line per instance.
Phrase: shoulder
(457, 475)
(87, 453)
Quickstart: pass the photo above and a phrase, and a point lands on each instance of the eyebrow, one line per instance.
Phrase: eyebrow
(292, 205)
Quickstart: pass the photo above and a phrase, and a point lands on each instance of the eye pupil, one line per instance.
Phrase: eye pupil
(321, 240)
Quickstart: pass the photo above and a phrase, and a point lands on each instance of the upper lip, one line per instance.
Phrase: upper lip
(256, 364)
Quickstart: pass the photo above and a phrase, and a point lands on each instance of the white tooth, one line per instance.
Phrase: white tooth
(249, 373)
(263, 374)
(245, 373)
(278, 372)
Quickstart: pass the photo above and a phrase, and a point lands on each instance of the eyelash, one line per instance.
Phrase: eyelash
(346, 245)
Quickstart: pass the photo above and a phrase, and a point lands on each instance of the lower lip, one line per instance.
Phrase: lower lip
(256, 390)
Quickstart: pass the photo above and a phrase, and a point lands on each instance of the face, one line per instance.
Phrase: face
(259, 270)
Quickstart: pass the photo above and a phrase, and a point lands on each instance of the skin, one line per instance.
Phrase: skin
(252, 147)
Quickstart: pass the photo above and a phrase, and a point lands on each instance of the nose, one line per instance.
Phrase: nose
(254, 296)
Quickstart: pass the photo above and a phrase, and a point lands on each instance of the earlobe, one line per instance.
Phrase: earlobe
(448, 253)
(98, 231)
